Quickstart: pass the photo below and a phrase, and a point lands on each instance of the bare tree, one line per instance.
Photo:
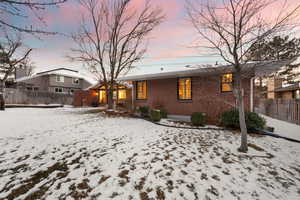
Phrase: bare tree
(12, 54)
(112, 37)
(29, 66)
(20, 9)
(231, 27)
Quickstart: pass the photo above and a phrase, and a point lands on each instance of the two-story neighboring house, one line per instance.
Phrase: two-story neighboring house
(60, 80)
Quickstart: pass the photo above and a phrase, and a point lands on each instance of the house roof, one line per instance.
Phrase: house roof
(59, 71)
(97, 85)
(250, 69)
(289, 88)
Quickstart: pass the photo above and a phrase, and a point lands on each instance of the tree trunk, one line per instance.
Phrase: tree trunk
(110, 97)
(2, 100)
(242, 119)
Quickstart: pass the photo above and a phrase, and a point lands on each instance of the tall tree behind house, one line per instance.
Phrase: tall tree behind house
(278, 48)
(113, 37)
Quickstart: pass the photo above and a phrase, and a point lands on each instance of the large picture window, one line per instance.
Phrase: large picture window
(227, 83)
(122, 94)
(141, 90)
(185, 89)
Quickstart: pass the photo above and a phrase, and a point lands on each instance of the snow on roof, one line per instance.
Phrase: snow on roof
(97, 85)
(249, 69)
(60, 71)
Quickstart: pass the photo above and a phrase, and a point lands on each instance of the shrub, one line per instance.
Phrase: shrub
(163, 113)
(230, 119)
(254, 121)
(144, 110)
(155, 115)
(198, 119)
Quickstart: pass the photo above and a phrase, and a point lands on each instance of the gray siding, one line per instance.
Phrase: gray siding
(41, 82)
(48, 83)
(68, 82)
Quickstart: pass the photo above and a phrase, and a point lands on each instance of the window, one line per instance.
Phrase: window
(122, 94)
(185, 89)
(75, 81)
(58, 90)
(29, 88)
(227, 83)
(35, 88)
(60, 79)
(71, 91)
(141, 90)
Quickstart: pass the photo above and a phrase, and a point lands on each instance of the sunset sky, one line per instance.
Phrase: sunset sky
(169, 47)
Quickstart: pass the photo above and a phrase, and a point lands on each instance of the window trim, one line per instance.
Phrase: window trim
(62, 79)
(62, 91)
(73, 81)
(221, 83)
(136, 90)
(184, 100)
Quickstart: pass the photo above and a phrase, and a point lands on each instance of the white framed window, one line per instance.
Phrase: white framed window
(76, 81)
(58, 90)
(60, 79)
(71, 91)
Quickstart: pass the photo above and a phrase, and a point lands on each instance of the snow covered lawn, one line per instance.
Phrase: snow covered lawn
(68, 153)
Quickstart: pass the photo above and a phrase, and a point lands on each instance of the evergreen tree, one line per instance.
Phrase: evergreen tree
(278, 48)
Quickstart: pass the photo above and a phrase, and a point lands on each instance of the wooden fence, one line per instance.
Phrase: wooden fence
(286, 110)
(17, 96)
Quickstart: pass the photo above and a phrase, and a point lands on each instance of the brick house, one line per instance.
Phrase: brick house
(96, 95)
(206, 89)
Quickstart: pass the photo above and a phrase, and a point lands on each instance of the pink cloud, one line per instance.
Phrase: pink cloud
(70, 12)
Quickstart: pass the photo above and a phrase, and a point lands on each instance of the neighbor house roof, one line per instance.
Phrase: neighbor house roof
(59, 71)
(250, 69)
(289, 88)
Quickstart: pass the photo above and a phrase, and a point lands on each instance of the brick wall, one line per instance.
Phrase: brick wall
(206, 96)
(85, 98)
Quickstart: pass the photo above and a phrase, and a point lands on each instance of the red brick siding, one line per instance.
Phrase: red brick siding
(84, 98)
(206, 96)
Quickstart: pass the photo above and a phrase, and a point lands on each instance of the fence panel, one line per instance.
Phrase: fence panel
(286, 110)
(16, 96)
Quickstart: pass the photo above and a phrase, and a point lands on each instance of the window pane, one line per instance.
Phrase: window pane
(227, 83)
(141, 90)
(227, 78)
(226, 87)
(185, 88)
(122, 94)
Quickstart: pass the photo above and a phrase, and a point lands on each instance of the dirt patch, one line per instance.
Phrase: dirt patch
(124, 174)
(254, 146)
(141, 184)
(144, 196)
(20, 159)
(160, 195)
(103, 179)
(35, 179)
(81, 191)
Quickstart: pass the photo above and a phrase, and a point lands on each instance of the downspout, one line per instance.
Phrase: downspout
(252, 94)
(132, 96)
